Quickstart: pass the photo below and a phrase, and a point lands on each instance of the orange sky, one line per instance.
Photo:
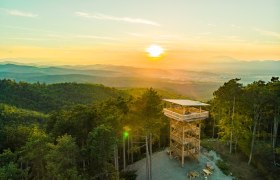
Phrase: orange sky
(87, 32)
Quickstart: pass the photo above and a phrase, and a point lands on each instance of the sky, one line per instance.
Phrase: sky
(192, 32)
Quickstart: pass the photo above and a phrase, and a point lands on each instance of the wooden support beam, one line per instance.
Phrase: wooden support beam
(183, 154)
(170, 142)
(184, 139)
(199, 138)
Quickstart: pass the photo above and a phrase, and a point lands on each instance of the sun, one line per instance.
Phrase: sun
(154, 50)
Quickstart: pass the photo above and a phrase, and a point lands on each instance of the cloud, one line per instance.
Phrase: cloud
(204, 33)
(235, 26)
(233, 38)
(114, 18)
(96, 37)
(81, 36)
(212, 25)
(136, 34)
(55, 35)
(28, 39)
(268, 33)
(26, 29)
(14, 12)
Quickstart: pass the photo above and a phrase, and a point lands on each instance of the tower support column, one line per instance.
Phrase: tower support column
(183, 146)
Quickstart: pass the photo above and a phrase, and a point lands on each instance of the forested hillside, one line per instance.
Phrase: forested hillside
(82, 131)
(137, 92)
(194, 83)
(15, 125)
(80, 141)
(45, 98)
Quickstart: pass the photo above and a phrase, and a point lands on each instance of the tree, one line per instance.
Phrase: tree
(113, 113)
(228, 96)
(9, 167)
(257, 97)
(77, 121)
(252, 121)
(51, 97)
(149, 107)
(101, 142)
(274, 90)
(61, 160)
(34, 151)
(6, 157)
(11, 171)
(16, 135)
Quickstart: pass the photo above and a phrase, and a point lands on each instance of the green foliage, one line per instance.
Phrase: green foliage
(11, 171)
(34, 151)
(101, 143)
(138, 92)
(84, 123)
(249, 115)
(113, 112)
(277, 150)
(11, 114)
(16, 124)
(86, 135)
(46, 98)
(77, 121)
(15, 136)
(8, 166)
(249, 99)
(228, 91)
(223, 166)
(205, 143)
(149, 109)
(61, 160)
(151, 104)
(128, 175)
(6, 157)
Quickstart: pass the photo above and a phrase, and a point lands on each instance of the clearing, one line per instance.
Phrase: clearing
(164, 168)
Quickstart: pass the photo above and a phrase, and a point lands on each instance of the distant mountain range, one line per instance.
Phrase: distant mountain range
(194, 84)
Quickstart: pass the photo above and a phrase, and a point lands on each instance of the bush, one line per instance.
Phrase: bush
(207, 145)
(223, 167)
(128, 175)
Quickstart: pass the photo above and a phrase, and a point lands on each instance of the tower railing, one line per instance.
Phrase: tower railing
(186, 117)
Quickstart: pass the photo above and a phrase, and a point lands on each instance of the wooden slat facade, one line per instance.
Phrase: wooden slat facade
(185, 131)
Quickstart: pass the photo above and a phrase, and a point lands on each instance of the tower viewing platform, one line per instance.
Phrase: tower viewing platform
(185, 110)
(185, 118)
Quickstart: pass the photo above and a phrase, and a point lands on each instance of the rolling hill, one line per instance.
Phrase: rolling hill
(191, 83)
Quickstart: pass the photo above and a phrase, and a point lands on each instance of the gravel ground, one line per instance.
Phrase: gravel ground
(164, 168)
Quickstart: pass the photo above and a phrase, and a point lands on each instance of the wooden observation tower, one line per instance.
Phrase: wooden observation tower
(185, 117)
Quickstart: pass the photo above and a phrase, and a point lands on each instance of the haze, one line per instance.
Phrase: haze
(69, 32)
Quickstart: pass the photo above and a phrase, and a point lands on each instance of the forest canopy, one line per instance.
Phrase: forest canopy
(83, 131)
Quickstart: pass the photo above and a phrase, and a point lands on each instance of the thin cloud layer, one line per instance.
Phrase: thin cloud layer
(268, 33)
(96, 37)
(114, 18)
(14, 12)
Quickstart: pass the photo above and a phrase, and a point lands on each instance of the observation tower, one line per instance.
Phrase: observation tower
(185, 121)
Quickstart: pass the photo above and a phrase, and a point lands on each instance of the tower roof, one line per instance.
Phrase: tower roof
(185, 102)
